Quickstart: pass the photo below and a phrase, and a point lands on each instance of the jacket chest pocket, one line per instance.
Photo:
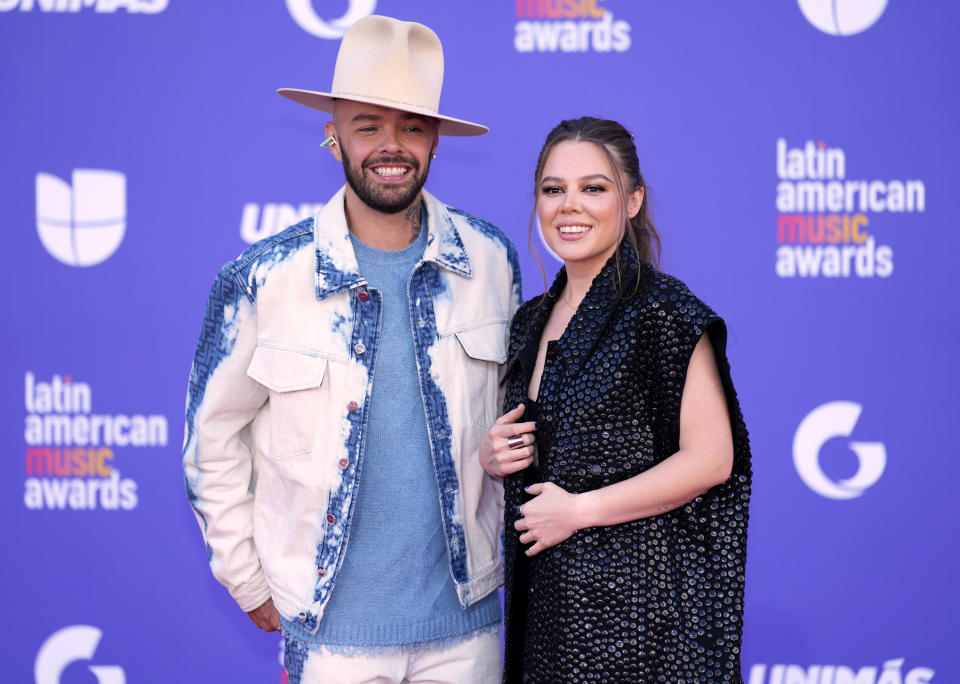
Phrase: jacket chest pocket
(293, 379)
(485, 349)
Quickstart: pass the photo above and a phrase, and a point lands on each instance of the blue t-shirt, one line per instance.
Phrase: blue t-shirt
(394, 587)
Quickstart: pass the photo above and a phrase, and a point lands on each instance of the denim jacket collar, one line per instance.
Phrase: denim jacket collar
(337, 268)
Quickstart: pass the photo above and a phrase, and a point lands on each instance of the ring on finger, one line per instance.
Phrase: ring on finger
(515, 442)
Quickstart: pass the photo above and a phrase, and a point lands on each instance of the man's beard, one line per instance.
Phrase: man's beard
(386, 199)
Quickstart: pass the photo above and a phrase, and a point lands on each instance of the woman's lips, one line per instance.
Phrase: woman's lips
(573, 231)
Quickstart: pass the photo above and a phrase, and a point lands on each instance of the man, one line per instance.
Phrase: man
(346, 374)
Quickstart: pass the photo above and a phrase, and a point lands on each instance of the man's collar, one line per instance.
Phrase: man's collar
(337, 268)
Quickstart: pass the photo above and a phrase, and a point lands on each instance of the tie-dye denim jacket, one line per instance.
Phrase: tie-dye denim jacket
(278, 396)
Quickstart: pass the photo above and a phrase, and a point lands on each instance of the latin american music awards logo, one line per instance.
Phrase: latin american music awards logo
(70, 450)
(568, 26)
(824, 220)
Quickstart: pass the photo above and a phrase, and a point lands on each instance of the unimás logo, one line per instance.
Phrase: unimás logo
(892, 672)
(83, 222)
(829, 421)
(99, 6)
(568, 26)
(842, 17)
(70, 451)
(67, 646)
(823, 216)
(261, 221)
(304, 13)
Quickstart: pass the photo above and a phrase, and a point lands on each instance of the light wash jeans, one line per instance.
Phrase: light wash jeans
(473, 661)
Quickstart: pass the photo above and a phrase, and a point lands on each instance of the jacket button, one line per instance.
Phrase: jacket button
(360, 348)
(321, 572)
(352, 406)
(363, 296)
(344, 463)
(302, 617)
(331, 518)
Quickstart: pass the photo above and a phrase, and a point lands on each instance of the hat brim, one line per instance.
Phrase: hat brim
(324, 102)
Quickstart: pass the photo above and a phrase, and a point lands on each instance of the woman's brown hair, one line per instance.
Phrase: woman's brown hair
(617, 143)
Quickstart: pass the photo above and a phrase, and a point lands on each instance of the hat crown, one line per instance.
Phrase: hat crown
(389, 63)
(381, 58)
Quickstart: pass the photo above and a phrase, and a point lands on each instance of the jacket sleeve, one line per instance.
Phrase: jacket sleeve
(513, 305)
(217, 459)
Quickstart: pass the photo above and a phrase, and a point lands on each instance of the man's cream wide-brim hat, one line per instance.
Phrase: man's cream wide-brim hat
(390, 63)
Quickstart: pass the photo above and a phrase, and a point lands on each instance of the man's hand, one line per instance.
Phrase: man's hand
(266, 617)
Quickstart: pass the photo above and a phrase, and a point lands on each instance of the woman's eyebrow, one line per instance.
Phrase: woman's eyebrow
(554, 179)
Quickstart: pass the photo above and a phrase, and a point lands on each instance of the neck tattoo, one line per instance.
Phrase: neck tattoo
(412, 215)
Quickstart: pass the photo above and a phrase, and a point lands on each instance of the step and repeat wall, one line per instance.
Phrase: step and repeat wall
(802, 168)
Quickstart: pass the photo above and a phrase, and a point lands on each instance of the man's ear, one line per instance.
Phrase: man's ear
(330, 131)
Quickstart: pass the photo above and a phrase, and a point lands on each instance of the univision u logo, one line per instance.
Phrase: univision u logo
(82, 223)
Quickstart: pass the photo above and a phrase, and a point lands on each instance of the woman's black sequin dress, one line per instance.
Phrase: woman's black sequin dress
(653, 600)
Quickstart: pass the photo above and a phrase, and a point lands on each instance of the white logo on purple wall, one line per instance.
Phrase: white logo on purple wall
(67, 646)
(306, 16)
(842, 17)
(97, 6)
(261, 221)
(83, 222)
(836, 419)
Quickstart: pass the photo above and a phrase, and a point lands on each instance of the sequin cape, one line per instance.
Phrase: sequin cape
(653, 600)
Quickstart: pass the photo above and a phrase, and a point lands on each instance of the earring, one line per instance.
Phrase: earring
(433, 156)
(329, 142)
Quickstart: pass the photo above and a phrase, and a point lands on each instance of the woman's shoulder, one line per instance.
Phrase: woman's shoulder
(521, 322)
(665, 294)
(526, 311)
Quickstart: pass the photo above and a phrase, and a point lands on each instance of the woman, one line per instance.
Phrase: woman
(624, 454)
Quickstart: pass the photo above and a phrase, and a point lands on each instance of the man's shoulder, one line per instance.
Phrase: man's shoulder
(275, 249)
(466, 221)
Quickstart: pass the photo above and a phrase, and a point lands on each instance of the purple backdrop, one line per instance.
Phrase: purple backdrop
(799, 156)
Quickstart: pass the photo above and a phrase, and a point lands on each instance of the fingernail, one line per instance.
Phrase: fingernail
(527, 488)
(536, 425)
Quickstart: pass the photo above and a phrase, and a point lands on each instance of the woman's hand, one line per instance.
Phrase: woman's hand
(509, 446)
(549, 518)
